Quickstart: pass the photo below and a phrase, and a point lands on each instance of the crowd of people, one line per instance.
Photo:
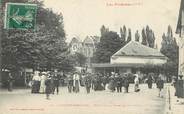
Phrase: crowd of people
(48, 83)
(45, 82)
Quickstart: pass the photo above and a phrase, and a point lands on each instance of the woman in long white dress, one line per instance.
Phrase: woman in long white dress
(42, 82)
(136, 81)
(76, 82)
(36, 83)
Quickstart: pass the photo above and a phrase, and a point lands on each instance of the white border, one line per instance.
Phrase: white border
(5, 18)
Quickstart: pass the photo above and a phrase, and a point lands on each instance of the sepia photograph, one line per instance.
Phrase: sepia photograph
(91, 56)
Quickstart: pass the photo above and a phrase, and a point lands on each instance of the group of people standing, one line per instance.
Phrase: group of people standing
(97, 82)
(48, 83)
(45, 83)
(75, 80)
(159, 83)
(116, 82)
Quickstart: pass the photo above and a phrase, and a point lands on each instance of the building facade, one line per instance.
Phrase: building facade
(75, 46)
(180, 31)
(132, 58)
(87, 47)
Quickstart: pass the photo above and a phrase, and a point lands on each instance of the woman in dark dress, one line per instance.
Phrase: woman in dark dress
(119, 83)
(48, 89)
(126, 83)
(87, 82)
(150, 81)
(10, 82)
(70, 83)
(112, 83)
(160, 85)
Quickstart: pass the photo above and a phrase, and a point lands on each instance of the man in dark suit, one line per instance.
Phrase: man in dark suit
(56, 79)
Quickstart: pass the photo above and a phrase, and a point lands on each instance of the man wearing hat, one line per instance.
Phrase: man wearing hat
(126, 83)
(56, 79)
(48, 88)
(87, 82)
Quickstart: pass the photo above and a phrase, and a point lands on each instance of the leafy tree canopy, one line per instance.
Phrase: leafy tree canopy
(109, 44)
(170, 49)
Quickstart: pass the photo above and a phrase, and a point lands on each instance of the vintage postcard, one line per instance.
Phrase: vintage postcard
(91, 56)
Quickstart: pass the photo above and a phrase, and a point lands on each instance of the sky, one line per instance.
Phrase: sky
(85, 17)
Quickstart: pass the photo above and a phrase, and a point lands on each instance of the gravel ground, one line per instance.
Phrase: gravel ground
(21, 101)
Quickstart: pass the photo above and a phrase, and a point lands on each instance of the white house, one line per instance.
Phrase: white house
(132, 58)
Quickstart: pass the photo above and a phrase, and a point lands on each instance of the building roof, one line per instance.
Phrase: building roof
(88, 40)
(75, 40)
(137, 49)
(180, 23)
(91, 40)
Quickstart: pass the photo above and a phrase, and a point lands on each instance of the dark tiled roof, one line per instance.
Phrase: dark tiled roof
(137, 49)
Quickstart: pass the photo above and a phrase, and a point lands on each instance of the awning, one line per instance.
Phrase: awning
(106, 65)
(132, 65)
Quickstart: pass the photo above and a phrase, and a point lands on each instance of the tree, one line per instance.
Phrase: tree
(170, 49)
(169, 32)
(129, 38)
(150, 37)
(144, 38)
(80, 59)
(43, 48)
(137, 36)
(123, 34)
(104, 30)
(108, 45)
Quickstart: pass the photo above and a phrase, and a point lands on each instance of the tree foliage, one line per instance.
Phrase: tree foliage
(108, 45)
(43, 48)
(137, 36)
(123, 33)
(171, 50)
(104, 30)
(148, 37)
(129, 38)
(144, 38)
